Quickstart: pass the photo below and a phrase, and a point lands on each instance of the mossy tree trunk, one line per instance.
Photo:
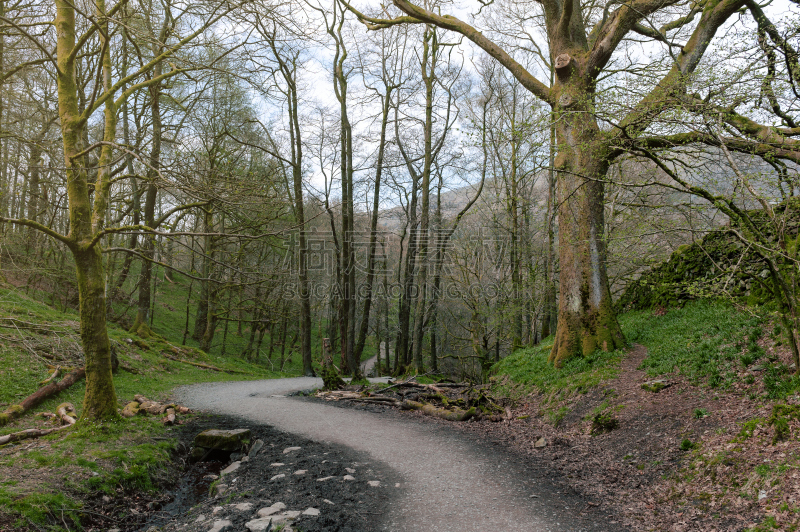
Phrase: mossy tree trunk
(586, 318)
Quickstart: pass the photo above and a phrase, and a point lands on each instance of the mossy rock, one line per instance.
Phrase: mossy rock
(654, 386)
(223, 440)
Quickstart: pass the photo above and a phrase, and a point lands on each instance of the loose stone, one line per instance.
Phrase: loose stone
(277, 477)
(301, 472)
(374, 483)
(311, 511)
(230, 469)
(270, 510)
(290, 449)
(259, 525)
(348, 477)
(222, 526)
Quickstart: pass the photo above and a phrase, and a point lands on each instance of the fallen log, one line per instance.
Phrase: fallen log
(64, 412)
(29, 434)
(15, 411)
(56, 373)
(430, 410)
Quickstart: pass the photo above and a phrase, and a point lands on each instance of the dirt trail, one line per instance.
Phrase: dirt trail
(451, 481)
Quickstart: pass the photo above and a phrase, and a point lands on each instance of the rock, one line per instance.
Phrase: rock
(326, 501)
(277, 464)
(235, 457)
(131, 409)
(197, 454)
(223, 440)
(300, 472)
(271, 510)
(257, 445)
(762, 495)
(290, 449)
(277, 477)
(200, 518)
(244, 506)
(540, 443)
(222, 526)
(311, 511)
(219, 490)
(348, 477)
(259, 525)
(655, 386)
(374, 483)
(291, 514)
(245, 459)
(230, 469)
(216, 510)
(323, 479)
(350, 470)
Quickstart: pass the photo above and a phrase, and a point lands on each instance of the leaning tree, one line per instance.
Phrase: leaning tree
(585, 46)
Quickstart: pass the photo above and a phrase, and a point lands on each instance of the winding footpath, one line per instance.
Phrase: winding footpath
(450, 482)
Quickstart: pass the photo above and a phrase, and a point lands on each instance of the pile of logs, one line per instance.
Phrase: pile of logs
(141, 405)
(450, 401)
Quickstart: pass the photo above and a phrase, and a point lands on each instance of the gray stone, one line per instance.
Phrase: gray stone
(301, 472)
(311, 511)
(277, 464)
(290, 449)
(244, 506)
(277, 477)
(222, 526)
(350, 470)
(348, 477)
(323, 479)
(230, 469)
(259, 525)
(257, 446)
(326, 501)
(374, 483)
(219, 490)
(541, 442)
(271, 510)
(223, 440)
(216, 510)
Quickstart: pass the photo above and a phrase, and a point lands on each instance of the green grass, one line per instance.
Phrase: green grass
(530, 369)
(706, 340)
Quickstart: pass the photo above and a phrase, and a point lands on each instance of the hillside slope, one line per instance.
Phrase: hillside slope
(49, 482)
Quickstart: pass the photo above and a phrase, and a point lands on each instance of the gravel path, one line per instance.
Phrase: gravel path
(451, 483)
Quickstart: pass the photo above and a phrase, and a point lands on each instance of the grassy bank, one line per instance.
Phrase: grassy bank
(45, 483)
(711, 342)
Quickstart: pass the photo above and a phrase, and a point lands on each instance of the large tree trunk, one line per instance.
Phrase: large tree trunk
(100, 400)
(586, 318)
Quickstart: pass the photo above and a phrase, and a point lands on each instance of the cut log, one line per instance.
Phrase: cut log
(430, 410)
(29, 434)
(131, 409)
(64, 412)
(15, 411)
(170, 417)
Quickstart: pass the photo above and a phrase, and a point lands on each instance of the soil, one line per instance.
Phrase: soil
(637, 473)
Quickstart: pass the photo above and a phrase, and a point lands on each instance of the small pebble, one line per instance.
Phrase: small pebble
(290, 449)
(276, 477)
